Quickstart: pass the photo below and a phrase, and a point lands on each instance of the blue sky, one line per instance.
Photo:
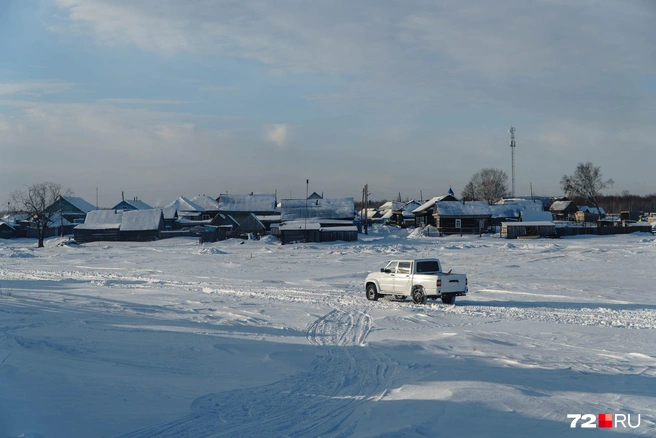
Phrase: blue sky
(163, 98)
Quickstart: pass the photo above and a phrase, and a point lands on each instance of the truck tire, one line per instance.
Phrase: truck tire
(372, 293)
(448, 299)
(418, 295)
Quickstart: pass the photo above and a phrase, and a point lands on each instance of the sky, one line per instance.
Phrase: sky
(161, 98)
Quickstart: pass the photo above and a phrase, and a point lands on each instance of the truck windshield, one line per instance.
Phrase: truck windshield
(430, 266)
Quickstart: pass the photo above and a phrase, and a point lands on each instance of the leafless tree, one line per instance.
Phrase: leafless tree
(486, 185)
(586, 183)
(37, 202)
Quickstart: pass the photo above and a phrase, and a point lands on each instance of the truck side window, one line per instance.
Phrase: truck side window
(404, 268)
(431, 266)
(392, 267)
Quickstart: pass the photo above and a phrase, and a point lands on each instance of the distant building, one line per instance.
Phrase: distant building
(240, 206)
(115, 225)
(132, 204)
(72, 208)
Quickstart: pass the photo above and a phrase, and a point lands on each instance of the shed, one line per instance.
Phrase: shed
(251, 225)
(532, 229)
(454, 217)
(563, 210)
(142, 225)
(101, 225)
(589, 214)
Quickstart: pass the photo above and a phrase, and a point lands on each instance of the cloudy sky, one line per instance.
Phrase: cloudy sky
(163, 98)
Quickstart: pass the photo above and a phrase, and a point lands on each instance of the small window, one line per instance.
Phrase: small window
(431, 266)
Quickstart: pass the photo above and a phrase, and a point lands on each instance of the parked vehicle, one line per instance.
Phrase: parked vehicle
(420, 279)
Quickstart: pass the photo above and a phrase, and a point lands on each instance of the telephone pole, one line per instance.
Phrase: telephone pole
(512, 154)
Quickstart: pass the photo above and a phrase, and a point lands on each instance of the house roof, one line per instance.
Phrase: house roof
(183, 204)
(561, 205)
(141, 220)
(327, 208)
(102, 220)
(5, 223)
(457, 208)
(79, 203)
(136, 204)
(57, 220)
(431, 203)
(390, 205)
(514, 209)
(533, 216)
(170, 212)
(207, 202)
(591, 210)
(247, 203)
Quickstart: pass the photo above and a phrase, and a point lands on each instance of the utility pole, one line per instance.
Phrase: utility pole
(307, 186)
(512, 154)
(365, 205)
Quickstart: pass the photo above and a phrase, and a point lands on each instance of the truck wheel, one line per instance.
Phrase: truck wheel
(418, 295)
(399, 297)
(372, 293)
(448, 299)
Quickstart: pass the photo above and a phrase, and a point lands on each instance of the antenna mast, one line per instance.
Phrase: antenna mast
(512, 155)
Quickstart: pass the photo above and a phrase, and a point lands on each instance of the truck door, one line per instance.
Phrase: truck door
(402, 278)
(386, 281)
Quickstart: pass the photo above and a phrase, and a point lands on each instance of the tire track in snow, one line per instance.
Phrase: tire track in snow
(325, 401)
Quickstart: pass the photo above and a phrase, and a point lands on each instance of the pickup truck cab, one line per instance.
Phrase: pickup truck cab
(420, 279)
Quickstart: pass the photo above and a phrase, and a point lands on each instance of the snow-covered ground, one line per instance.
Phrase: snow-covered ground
(255, 339)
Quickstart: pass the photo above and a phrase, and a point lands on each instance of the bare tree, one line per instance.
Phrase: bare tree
(586, 183)
(37, 201)
(486, 185)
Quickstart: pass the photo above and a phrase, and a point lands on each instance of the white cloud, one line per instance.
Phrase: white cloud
(278, 134)
(33, 88)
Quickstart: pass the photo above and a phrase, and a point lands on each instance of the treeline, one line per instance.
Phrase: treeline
(627, 202)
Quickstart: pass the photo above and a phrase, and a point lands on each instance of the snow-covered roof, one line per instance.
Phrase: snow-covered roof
(183, 204)
(170, 212)
(533, 216)
(560, 205)
(10, 225)
(141, 220)
(299, 225)
(327, 208)
(102, 220)
(431, 203)
(247, 203)
(79, 203)
(344, 228)
(471, 208)
(207, 202)
(592, 210)
(136, 204)
(390, 205)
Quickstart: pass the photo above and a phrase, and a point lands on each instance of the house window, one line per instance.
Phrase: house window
(458, 223)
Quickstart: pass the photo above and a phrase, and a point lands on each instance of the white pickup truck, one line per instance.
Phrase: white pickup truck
(421, 279)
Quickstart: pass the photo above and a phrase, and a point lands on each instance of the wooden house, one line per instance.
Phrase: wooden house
(225, 220)
(251, 225)
(563, 210)
(7, 230)
(240, 206)
(131, 204)
(424, 214)
(455, 217)
(187, 209)
(589, 214)
(72, 208)
(141, 225)
(170, 215)
(209, 204)
(115, 225)
(403, 216)
(100, 225)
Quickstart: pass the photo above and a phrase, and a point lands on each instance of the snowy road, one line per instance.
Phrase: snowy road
(175, 339)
